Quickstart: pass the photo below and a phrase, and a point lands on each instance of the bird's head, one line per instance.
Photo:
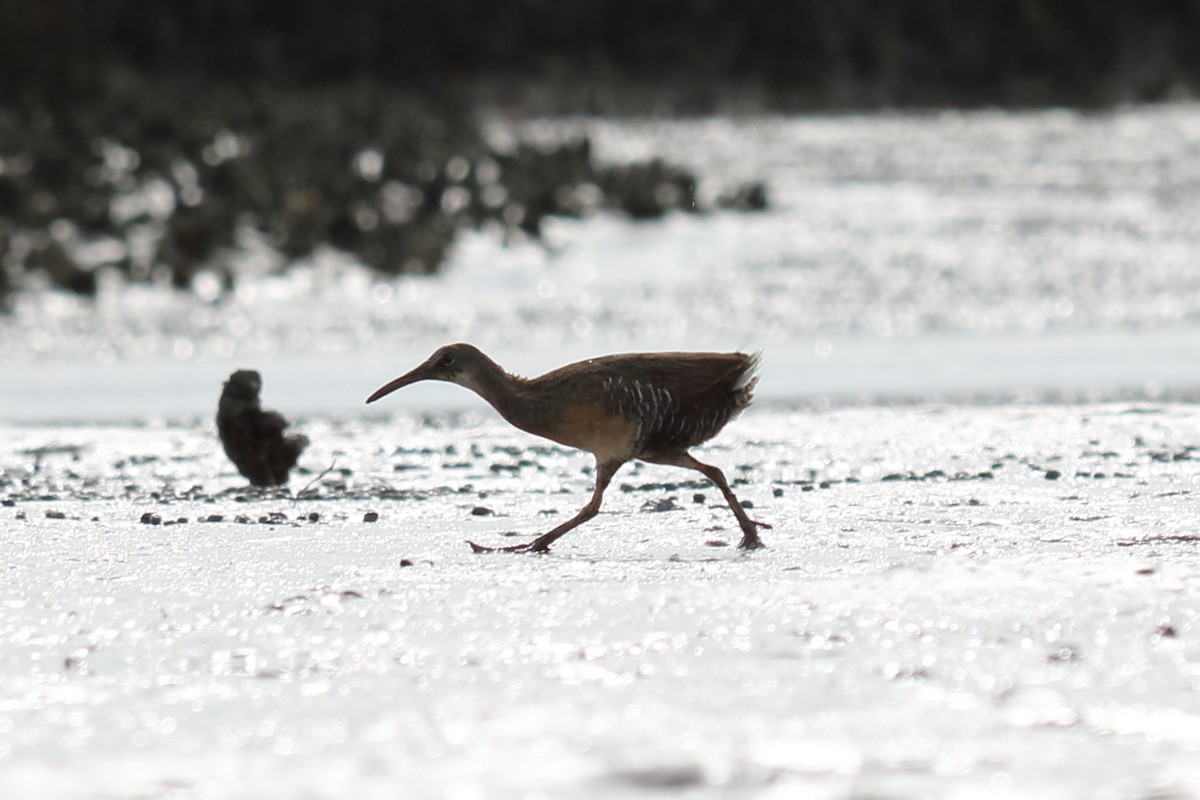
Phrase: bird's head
(245, 384)
(454, 363)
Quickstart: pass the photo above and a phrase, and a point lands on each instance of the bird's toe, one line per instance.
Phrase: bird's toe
(516, 548)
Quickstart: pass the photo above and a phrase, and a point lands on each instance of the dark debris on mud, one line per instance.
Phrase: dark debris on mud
(190, 484)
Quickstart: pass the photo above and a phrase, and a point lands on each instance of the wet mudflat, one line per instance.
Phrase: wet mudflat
(958, 601)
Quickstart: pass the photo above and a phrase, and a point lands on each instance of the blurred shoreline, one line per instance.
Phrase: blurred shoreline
(1062, 264)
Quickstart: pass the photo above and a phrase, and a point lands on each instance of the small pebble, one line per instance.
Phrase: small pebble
(313, 516)
(716, 543)
(698, 498)
(151, 519)
(404, 562)
(7, 503)
(55, 515)
(747, 504)
(1053, 474)
(481, 511)
(778, 492)
(371, 516)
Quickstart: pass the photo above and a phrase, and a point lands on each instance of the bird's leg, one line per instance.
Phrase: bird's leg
(750, 540)
(604, 474)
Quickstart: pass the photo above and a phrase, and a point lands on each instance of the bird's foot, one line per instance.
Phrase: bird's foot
(528, 547)
(750, 540)
(751, 543)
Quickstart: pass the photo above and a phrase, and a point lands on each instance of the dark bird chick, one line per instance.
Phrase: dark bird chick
(254, 439)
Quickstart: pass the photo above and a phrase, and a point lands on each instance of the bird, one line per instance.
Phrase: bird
(254, 438)
(651, 407)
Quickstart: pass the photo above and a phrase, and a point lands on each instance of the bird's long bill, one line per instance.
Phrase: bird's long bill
(418, 374)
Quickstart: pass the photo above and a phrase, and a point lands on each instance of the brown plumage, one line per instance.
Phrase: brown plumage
(253, 437)
(647, 406)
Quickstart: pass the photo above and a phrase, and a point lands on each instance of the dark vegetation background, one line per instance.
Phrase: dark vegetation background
(354, 124)
(826, 54)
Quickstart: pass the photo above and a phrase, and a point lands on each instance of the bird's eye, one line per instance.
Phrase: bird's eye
(447, 360)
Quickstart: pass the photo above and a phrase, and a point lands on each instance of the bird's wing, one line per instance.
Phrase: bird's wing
(266, 423)
(693, 375)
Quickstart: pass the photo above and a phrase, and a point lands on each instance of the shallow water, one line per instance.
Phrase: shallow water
(956, 602)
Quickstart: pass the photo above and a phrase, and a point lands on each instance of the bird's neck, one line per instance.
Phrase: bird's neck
(509, 395)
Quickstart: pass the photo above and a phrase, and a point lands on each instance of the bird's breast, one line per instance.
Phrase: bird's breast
(592, 428)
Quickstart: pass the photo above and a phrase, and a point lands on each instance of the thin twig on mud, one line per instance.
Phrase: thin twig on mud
(324, 472)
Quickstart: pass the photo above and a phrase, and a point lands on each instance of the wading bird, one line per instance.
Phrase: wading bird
(647, 406)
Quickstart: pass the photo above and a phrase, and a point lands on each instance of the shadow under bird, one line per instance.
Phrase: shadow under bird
(254, 438)
(651, 407)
